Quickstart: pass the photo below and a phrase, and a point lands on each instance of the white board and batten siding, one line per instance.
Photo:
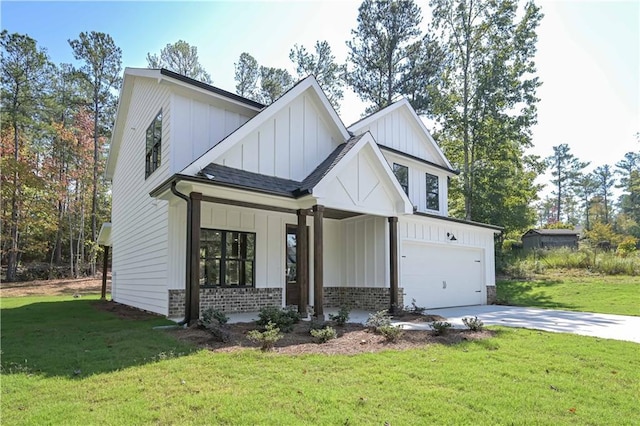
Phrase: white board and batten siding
(139, 222)
(289, 145)
(198, 125)
(418, 182)
(439, 272)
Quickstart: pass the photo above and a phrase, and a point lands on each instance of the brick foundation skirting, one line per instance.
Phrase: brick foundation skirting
(228, 300)
(365, 298)
(491, 295)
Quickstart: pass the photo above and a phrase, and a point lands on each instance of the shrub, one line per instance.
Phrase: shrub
(324, 334)
(267, 338)
(284, 319)
(415, 309)
(378, 319)
(212, 316)
(627, 246)
(391, 333)
(440, 327)
(341, 317)
(473, 324)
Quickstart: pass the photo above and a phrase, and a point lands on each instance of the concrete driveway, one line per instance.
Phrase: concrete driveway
(606, 326)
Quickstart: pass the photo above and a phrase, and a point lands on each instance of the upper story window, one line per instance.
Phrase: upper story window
(433, 197)
(154, 146)
(402, 174)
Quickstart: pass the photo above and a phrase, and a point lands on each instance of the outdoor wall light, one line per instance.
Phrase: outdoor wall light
(451, 237)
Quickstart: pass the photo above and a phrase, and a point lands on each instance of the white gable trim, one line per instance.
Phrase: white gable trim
(319, 191)
(269, 112)
(402, 103)
(124, 102)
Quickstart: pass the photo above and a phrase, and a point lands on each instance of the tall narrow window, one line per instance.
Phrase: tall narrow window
(402, 174)
(227, 258)
(154, 146)
(433, 197)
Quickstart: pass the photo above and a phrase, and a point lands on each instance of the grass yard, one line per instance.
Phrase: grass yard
(573, 291)
(63, 362)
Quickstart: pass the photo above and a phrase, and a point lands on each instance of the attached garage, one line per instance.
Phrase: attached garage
(442, 275)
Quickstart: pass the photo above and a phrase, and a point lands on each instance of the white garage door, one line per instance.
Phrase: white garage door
(441, 276)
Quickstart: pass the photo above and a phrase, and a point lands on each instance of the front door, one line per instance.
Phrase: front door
(292, 288)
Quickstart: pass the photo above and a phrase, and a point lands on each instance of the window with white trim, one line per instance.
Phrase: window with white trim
(433, 193)
(402, 174)
(227, 258)
(153, 151)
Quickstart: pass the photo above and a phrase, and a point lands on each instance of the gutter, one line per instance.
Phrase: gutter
(187, 288)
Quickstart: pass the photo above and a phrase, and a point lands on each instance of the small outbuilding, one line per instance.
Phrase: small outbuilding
(549, 238)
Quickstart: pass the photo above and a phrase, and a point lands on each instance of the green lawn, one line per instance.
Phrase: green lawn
(570, 291)
(65, 363)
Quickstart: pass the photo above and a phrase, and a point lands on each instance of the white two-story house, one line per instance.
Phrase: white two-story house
(219, 201)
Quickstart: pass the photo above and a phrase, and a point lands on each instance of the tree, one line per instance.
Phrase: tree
(182, 58)
(379, 49)
(485, 103)
(603, 175)
(566, 170)
(425, 62)
(101, 70)
(273, 83)
(247, 74)
(585, 188)
(25, 69)
(323, 66)
(629, 171)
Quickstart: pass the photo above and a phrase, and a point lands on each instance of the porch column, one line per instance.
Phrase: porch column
(318, 260)
(194, 285)
(393, 263)
(105, 264)
(302, 262)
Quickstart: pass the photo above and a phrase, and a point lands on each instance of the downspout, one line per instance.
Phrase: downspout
(187, 296)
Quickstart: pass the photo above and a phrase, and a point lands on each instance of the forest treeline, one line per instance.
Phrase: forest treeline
(472, 72)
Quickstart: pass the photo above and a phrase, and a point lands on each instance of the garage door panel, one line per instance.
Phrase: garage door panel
(442, 276)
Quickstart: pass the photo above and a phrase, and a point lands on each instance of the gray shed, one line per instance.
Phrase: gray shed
(549, 238)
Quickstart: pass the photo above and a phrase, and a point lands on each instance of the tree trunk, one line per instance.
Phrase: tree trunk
(12, 258)
(94, 198)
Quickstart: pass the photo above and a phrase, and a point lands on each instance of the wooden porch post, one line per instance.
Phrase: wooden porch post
(302, 262)
(105, 264)
(318, 260)
(393, 263)
(194, 285)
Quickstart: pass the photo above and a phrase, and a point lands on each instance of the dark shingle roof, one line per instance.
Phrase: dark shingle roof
(329, 163)
(229, 176)
(552, 232)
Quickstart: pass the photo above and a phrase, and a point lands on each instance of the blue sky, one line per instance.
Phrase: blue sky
(588, 53)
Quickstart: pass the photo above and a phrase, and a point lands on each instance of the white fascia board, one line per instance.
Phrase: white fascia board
(404, 206)
(402, 103)
(266, 114)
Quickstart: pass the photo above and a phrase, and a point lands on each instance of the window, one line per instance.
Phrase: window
(402, 174)
(433, 198)
(227, 258)
(154, 146)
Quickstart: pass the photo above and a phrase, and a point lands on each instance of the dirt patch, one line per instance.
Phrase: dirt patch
(124, 311)
(352, 339)
(66, 286)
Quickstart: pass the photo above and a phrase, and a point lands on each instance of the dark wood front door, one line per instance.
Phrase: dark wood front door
(292, 287)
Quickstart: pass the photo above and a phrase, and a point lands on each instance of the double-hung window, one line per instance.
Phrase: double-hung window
(402, 174)
(227, 258)
(433, 197)
(153, 146)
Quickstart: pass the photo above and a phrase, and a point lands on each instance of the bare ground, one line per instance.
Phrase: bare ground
(65, 286)
(352, 338)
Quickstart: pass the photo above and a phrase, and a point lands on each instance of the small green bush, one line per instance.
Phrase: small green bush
(440, 328)
(341, 317)
(391, 333)
(284, 319)
(317, 324)
(378, 319)
(267, 338)
(212, 316)
(323, 335)
(627, 246)
(473, 324)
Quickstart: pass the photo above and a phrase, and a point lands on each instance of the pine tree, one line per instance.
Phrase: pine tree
(182, 58)
(247, 75)
(566, 170)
